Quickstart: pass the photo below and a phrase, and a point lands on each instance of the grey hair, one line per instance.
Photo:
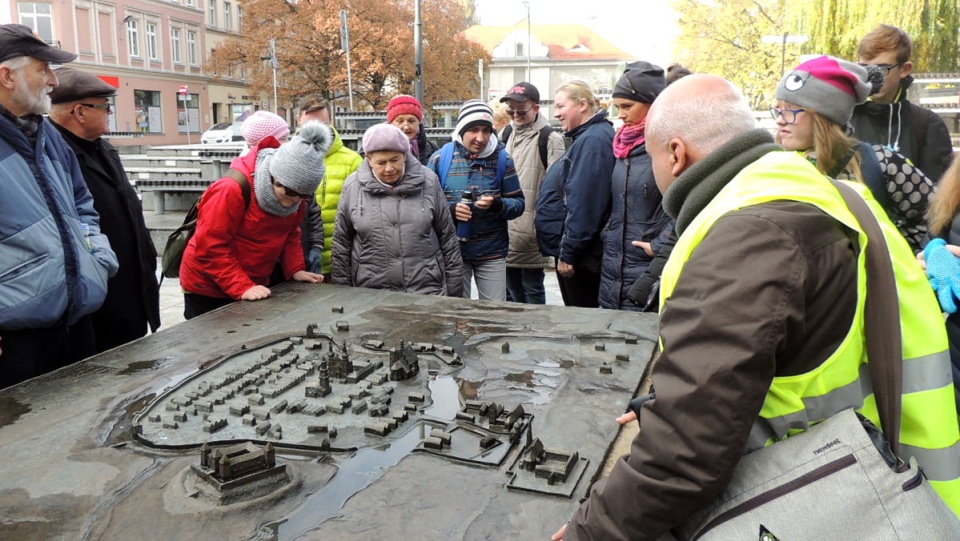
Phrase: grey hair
(704, 121)
(16, 63)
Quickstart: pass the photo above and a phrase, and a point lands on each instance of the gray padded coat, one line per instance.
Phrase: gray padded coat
(400, 238)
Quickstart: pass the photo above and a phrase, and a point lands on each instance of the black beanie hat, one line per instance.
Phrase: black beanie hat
(641, 81)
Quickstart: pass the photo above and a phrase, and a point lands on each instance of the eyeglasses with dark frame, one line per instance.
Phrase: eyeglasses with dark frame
(887, 68)
(103, 106)
(290, 193)
(789, 115)
(520, 113)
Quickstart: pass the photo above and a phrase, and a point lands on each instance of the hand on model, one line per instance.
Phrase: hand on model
(255, 293)
(313, 259)
(306, 276)
(559, 535)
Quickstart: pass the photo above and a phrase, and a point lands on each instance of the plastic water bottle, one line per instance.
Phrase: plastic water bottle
(463, 228)
(86, 236)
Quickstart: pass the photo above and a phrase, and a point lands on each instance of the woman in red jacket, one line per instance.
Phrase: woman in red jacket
(238, 243)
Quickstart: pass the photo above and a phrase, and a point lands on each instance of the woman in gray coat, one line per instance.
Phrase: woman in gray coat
(394, 230)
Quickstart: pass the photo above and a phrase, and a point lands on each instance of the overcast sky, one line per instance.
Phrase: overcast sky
(645, 29)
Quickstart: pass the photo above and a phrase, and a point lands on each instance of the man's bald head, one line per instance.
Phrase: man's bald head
(692, 118)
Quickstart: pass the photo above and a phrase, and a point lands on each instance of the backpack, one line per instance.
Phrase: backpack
(446, 160)
(177, 241)
(543, 140)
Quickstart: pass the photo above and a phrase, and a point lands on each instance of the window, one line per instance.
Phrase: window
(37, 17)
(152, 49)
(192, 48)
(146, 106)
(227, 20)
(239, 18)
(190, 3)
(188, 113)
(519, 49)
(213, 12)
(175, 46)
(133, 37)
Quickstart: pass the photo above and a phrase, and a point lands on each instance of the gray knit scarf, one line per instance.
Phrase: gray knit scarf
(263, 186)
(699, 184)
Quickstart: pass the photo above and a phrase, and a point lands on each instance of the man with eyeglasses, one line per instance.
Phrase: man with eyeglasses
(81, 112)
(534, 146)
(889, 119)
(55, 260)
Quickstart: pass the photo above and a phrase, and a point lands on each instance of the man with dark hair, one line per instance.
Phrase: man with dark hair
(81, 112)
(54, 261)
(889, 119)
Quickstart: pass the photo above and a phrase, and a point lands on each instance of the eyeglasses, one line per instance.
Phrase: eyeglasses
(886, 68)
(104, 106)
(789, 115)
(290, 193)
(511, 112)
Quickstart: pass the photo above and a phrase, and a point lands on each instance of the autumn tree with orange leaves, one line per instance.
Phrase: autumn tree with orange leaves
(307, 34)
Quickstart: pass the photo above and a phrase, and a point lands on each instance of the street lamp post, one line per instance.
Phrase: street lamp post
(345, 45)
(527, 4)
(276, 64)
(418, 50)
(783, 39)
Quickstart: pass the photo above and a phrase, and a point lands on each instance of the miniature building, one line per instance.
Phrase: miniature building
(505, 348)
(237, 464)
(606, 369)
(404, 363)
(551, 465)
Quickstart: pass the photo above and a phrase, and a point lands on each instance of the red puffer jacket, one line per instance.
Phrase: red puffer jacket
(235, 249)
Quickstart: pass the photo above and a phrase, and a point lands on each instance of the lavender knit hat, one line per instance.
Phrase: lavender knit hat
(385, 137)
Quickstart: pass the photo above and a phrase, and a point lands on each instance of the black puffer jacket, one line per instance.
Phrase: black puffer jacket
(636, 213)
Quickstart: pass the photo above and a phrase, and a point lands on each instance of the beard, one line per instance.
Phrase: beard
(32, 103)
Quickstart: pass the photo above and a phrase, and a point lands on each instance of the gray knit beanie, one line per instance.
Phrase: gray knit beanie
(385, 137)
(830, 86)
(641, 82)
(298, 164)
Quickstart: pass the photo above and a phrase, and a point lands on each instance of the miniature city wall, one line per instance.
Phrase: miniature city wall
(325, 412)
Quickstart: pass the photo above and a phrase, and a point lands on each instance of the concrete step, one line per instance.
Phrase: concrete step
(142, 173)
(194, 150)
(144, 160)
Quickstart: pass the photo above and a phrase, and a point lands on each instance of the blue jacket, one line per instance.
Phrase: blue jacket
(47, 274)
(488, 228)
(575, 195)
(636, 213)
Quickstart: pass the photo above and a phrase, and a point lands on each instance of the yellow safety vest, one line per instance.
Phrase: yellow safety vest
(929, 427)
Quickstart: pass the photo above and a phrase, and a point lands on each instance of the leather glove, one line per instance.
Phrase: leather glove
(943, 269)
(313, 259)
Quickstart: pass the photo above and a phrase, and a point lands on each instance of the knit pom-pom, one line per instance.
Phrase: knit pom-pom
(318, 134)
(875, 78)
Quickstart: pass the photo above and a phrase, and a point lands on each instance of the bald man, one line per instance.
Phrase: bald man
(761, 286)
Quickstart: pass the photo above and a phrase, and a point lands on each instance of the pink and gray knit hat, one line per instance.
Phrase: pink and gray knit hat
(830, 86)
(261, 124)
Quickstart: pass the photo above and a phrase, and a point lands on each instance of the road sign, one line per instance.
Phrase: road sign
(183, 90)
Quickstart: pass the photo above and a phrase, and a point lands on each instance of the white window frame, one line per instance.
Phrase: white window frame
(239, 18)
(176, 50)
(227, 12)
(153, 46)
(32, 18)
(192, 56)
(213, 12)
(133, 37)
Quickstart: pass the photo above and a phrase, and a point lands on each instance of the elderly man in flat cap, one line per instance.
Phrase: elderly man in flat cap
(54, 261)
(81, 111)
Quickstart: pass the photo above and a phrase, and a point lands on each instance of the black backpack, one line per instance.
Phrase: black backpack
(543, 140)
(178, 240)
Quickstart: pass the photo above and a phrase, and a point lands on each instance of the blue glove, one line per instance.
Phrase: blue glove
(943, 269)
(313, 259)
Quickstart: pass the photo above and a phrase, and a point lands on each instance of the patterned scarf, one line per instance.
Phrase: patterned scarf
(628, 138)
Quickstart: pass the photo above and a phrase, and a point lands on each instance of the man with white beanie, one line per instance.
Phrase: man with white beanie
(483, 192)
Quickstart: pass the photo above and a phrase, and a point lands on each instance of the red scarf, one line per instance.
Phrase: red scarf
(628, 138)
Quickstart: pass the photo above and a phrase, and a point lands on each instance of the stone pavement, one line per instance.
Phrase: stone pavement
(171, 296)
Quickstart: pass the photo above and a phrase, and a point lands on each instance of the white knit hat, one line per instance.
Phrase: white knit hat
(261, 124)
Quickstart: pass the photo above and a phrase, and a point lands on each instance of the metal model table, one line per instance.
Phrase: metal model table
(325, 412)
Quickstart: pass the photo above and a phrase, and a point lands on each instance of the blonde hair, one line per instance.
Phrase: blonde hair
(946, 202)
(832, 146)
(580, 92)
(500, 116)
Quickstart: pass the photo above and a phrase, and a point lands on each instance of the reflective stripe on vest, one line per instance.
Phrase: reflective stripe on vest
(929, 430)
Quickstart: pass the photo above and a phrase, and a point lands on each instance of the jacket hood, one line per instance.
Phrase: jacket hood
(600, 116)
